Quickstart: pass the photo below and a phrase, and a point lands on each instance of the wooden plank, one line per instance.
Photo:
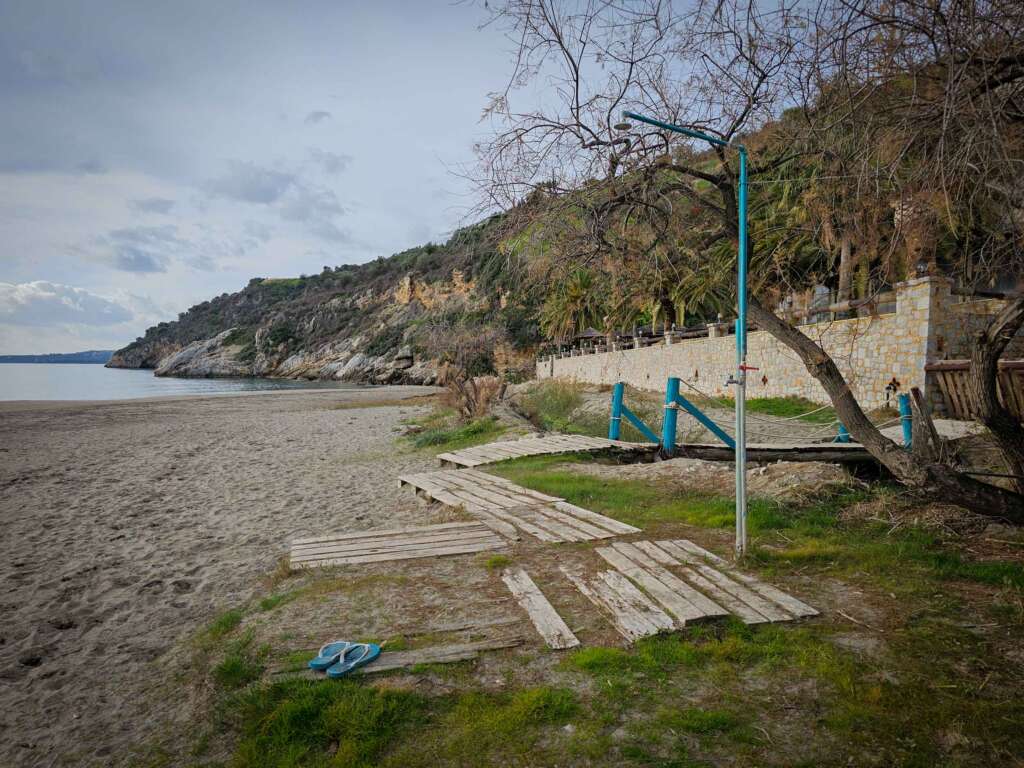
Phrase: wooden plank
(441, 654)
(467, 529)
(628, 592)
(381, 532)
(627, 620)
(764, 607)
(657, 554)
(724, 598)
(704, 604)
(608, 523)
(676, 604)
(510, 517)
(387, 546)
(535, 516)
(545, 618)
(410, 555)
(776, 595)
(589, 531)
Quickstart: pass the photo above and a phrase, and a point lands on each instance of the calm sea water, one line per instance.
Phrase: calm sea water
(68, 381)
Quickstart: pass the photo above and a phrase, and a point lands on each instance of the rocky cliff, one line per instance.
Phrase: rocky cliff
(361, 323)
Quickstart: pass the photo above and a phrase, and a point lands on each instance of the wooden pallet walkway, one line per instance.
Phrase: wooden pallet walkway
(508, 508)
(395, 544)
(704, 587)
(536, 446)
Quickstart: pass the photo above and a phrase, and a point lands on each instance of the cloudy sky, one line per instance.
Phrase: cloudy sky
(155, 154)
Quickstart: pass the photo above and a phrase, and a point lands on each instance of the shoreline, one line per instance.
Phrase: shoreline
(361, 391)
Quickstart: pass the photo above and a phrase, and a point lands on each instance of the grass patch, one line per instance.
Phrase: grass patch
(553, 406)
(220, 627)
(271, 602)
(635, 502)
(241, 664)
(497, 562)
(452, 437)
(298, 722)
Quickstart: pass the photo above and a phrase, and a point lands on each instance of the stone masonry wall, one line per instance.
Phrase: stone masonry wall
(928, 325)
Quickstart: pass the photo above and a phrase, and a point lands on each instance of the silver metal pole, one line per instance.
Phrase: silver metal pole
(741, 462)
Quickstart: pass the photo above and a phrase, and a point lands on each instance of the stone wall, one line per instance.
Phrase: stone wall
(929, 324)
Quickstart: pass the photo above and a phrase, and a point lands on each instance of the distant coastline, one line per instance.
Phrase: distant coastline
(98, 356)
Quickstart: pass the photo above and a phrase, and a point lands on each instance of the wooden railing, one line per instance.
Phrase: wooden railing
(954, 381)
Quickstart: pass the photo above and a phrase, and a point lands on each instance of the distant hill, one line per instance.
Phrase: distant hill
(98, 356)
(376, 322)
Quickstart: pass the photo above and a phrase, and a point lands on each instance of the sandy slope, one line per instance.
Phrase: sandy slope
(128, 525)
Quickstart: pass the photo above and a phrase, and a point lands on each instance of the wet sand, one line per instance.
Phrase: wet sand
(128, 525)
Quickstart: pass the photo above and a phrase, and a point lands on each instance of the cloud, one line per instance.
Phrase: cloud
(250, 183)
(329, 162)
(143, 249)
(41, 303)
(91, 167)
(317, 116)
(159, 205)
(316, 207)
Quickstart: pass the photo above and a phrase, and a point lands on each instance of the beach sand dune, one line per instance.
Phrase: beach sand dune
(129, 525)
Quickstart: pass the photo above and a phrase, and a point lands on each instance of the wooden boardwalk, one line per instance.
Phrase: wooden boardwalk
(555, 444)
(508, 508)
(681, 583)
(537, 446)
(396, 544)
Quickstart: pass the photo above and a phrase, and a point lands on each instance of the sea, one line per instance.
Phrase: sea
(73, 381)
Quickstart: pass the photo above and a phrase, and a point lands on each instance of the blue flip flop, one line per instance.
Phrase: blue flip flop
(356, 655)
(329, 654)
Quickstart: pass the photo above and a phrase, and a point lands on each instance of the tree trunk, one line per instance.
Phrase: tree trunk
(988, 348)
(845, 268)
(939, 480)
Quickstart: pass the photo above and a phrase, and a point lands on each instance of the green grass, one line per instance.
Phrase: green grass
(241, 664)
(453, 436)
(295, 723)
(552, 405)
(782, 407)
(634, 502)
(497, 562)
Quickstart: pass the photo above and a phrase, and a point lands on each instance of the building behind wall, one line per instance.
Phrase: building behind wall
(880, 355)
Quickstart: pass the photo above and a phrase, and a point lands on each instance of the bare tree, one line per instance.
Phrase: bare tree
(922, 99)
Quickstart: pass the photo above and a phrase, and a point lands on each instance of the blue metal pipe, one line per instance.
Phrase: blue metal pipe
(676, 128)
(700, 416)
(670, 419)
(906, 419)
(636, 422)
(843, 436)
(615, 422)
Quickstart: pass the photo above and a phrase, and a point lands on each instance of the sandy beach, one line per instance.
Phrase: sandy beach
(128, 525)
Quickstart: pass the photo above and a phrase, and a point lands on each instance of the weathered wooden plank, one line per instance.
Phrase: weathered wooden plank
(703, 603)
(627, 620)
(676, 604)
(545, 618)
(776, 595)
(657, 554)
(766, 608)
(441, 654)
(510, 517)
(409, 555)
(608, 523)
(637, 600)
(588, 530)
(382, 545)
(724, 598)
(380, 532)
(535, 516)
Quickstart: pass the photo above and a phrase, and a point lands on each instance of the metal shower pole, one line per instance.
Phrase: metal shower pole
(740, 379)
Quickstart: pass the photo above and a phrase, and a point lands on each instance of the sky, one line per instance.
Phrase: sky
(156, 154)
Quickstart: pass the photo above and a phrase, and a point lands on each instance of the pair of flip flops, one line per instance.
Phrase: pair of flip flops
(339, 658)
